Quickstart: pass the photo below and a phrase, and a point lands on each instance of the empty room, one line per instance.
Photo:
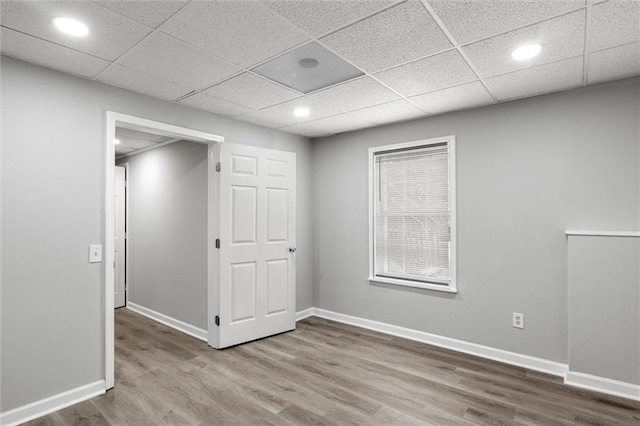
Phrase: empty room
(327, 212)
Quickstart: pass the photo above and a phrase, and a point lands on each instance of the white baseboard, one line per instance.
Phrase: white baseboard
(305, 313)
(581, 380)
(53, 403)
(603, 385)
(189, 329)
(526, 361)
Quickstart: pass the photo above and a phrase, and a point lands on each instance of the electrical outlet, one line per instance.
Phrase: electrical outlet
(518, 320)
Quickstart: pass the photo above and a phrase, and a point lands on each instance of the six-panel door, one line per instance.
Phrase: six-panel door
(257, 231)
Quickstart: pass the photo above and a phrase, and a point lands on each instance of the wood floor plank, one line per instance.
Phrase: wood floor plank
(325, 373)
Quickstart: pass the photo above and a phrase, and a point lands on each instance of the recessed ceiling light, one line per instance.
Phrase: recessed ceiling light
(116, 141)
(71, 26)
(527, 51)
(301, 112)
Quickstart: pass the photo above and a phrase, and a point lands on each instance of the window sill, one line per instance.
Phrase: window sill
(406, 283)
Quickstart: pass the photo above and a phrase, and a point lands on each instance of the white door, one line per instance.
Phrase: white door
(257, 243)
(119, 236)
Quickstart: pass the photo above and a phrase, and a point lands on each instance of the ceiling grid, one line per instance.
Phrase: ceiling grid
(417, 57)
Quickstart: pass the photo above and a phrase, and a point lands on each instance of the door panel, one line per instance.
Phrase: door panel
(277, 283)
(243, 291)
(257, 223)
(277, 214)
(243, 215)
(119, 204)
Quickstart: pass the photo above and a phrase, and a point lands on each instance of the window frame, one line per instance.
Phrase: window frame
(450, 142)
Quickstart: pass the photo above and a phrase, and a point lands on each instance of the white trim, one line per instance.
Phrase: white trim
(137, 123)
(182, 326)
(396, 281)
(213, 232)
(603, 385)
(512, 358)
(165, 129)
(51, 404)
(306, 313)
(603, 233)
(450, 141)
(127, 282)
(110, 160)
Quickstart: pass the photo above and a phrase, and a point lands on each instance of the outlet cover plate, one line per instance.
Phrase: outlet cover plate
(518, 320)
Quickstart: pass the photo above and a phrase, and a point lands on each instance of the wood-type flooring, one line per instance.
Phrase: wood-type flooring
(325, 373)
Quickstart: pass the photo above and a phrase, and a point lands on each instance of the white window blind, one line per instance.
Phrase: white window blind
(412, 235)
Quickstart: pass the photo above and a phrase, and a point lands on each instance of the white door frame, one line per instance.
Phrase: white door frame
(136, 123)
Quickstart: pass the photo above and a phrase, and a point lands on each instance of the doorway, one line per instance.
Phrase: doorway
(125, 121)
(251, 237)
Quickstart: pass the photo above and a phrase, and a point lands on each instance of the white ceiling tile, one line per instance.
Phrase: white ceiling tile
(397, 35)
(342, 123)
(281, 115)
(123, 150)
(305, 129)
(110, 34)
(37, 51)
(618, 62)
(561, 38)
(214, 105)
(243, 32)
(613, 23)
(472, 20)
(137, 81)
(252, 91)
(165, 57)
(561, 75)
(148, 12)
(390, 112)
(455, 98)
(319, 17)
(355, 94)
(429, 74)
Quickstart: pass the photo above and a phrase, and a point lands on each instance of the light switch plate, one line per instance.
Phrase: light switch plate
(95, 253)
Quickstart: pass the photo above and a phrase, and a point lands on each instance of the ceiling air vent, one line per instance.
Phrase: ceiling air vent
(308, 68)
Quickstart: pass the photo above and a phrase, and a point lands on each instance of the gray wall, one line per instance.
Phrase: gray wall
(167, 231)
(526, 171)
(53, 132)
(604, 307)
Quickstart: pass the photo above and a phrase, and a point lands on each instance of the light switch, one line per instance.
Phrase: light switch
(95, 253)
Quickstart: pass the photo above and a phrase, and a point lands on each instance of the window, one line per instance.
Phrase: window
(412, 214)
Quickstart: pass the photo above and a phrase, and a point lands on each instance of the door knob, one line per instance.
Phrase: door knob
(292, 249)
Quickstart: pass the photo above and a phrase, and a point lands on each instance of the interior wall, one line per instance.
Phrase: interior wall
(604, 307)
(526, 172)
(167, 231)
(53, 167)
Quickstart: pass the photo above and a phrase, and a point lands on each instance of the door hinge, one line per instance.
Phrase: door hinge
(217, 243)
(218, 166)
(218, 321)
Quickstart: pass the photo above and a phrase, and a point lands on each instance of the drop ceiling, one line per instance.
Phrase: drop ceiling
(130, 141)
(417, 58)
